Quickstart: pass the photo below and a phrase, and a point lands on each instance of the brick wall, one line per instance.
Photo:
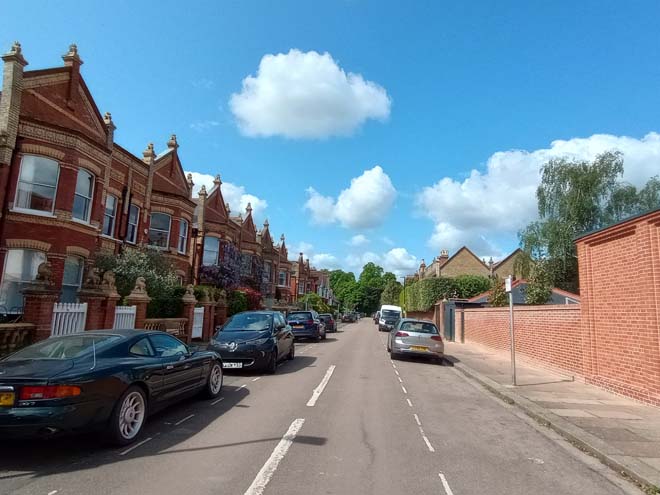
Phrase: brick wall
(548, 334)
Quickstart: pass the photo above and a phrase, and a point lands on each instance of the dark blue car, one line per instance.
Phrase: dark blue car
(306, 325)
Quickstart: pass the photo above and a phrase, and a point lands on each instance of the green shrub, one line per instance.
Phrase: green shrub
(498, 296)
(539, 287)
(237, 301)
(167, 304)
(468, 286)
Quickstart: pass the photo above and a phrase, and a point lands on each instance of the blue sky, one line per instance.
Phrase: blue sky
(457, 103)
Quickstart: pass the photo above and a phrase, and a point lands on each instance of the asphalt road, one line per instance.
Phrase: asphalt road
(376, 427)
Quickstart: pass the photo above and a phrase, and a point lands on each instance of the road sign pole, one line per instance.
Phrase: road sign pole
(512, 333)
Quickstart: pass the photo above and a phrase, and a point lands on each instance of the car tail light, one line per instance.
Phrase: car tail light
(437, 337)
(310, 322)
(49, 392)
(402, 334)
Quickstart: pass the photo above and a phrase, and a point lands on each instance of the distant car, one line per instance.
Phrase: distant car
(348, 318)
(416, 337)
(329, 322)
(389, 317)
(254, 340)
(306, 324)
(103, 379)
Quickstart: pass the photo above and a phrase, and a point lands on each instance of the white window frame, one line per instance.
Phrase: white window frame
(21, 281)
(169, 230)
(18, 181)
(217, 257)
(183, 237)
(129, 224)
(80, 276)
(301, 287)
(90, 198)
(279, 278)
(113, 216)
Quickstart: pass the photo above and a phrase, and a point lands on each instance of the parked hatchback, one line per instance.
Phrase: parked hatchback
(416, 338)
(329, 322)
(306, 324)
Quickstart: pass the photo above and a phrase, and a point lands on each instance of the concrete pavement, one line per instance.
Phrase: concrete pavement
(376, 426)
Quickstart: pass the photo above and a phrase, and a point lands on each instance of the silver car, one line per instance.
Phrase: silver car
(416, 337)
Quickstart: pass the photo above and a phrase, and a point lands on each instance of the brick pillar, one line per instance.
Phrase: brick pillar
(38, 308)
(95, 300)
(139, 298)
(111, 301)
(189, 302)
(209, 320)
(220, 313)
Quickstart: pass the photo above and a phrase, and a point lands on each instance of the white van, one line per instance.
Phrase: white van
(389, 316)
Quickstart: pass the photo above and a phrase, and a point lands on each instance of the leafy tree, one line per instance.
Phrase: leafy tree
(468, 286)
(539, 287)
(391, 292)
(237, 301)
(315, 302)
(575, 197)
(498, 296)
(388, 277)
(372, 276)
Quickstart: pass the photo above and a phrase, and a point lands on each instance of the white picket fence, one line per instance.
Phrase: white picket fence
(68, 318)
(124, 317)
(198, 323)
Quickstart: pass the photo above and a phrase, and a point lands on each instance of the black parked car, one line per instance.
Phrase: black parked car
(110, 379)
(306, 324)
(254, 340)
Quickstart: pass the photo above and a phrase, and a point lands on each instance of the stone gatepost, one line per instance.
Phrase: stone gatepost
(101, 297)
(40, 297)
(220, 310)
(209, 316)
(139, 298)
(189, 302)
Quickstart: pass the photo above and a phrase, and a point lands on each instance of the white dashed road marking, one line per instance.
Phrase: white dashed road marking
(417, 420)
(409, 403)
(445, 485)
(135, 446)
(404, 389)
(426, 440)
(183, 420)
(268, 470)
(319, 390)
(218, 400)
(255, 379)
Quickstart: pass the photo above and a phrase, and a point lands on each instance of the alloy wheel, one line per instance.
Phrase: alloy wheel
(131, 415)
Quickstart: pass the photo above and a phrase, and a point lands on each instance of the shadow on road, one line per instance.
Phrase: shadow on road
(285, 367)
(25, 460)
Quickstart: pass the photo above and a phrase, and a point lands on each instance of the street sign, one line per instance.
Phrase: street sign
(507, 283)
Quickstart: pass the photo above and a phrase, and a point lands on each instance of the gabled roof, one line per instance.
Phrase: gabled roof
(216, 209)
(514, 253)
(169, 176)
(464, 248)
(248, 229)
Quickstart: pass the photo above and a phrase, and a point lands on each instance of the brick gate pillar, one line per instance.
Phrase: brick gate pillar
(140, 299)
(220, 310)
(189, 302)
(38, 308)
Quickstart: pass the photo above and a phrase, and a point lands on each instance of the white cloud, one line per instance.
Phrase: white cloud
(363, 205)
(324, 261)
(397, 260)
(499, 201)
(204, 125)
(358, 240)
(306, 95)
(233, 194)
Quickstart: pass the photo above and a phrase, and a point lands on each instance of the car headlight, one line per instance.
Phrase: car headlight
(265, 340)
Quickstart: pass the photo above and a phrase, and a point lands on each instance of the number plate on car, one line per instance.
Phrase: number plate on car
(232, 365)
(7, 399)
(297, 326)
(418, 348)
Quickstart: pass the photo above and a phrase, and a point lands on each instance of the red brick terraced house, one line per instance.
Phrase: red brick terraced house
(68, 191)
(306, 279)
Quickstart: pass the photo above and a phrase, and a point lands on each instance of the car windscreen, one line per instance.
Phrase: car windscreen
(248, 322)
(69, 347)
(419, 327)
(299, 316)
(389, 314)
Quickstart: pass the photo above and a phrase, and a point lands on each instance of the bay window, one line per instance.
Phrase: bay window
(282, 278)
(211, 251)
(20, 270)
(109, 215)
(72, 279)
(132, 227)
(82, 199)
(159, 230)
(37, 184)
(183, 236)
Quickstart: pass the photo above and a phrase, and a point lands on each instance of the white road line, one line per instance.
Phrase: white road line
(183, 420)
(218, 400)
(419, 423)
(53, 492)
(268, 470)
(242, 386)
(409, 403)
(445, 485)
(426, 440)
(404, 389)
(319, 390)
(135, 446)
(255, 379)
(396, 372)
(400, 380)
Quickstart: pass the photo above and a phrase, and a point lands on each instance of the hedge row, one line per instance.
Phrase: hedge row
(422, 295)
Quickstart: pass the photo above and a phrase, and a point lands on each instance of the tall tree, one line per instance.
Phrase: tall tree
(391, 292)
(575, 197)
(372, 276)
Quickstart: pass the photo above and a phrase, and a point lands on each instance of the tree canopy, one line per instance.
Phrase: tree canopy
(365, 293)
(574, 197)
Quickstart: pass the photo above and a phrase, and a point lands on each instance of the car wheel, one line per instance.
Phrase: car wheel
(292, 352)
(128, 416)
(324, 335)
(214, 383)
(271, 369)
(393, 355)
